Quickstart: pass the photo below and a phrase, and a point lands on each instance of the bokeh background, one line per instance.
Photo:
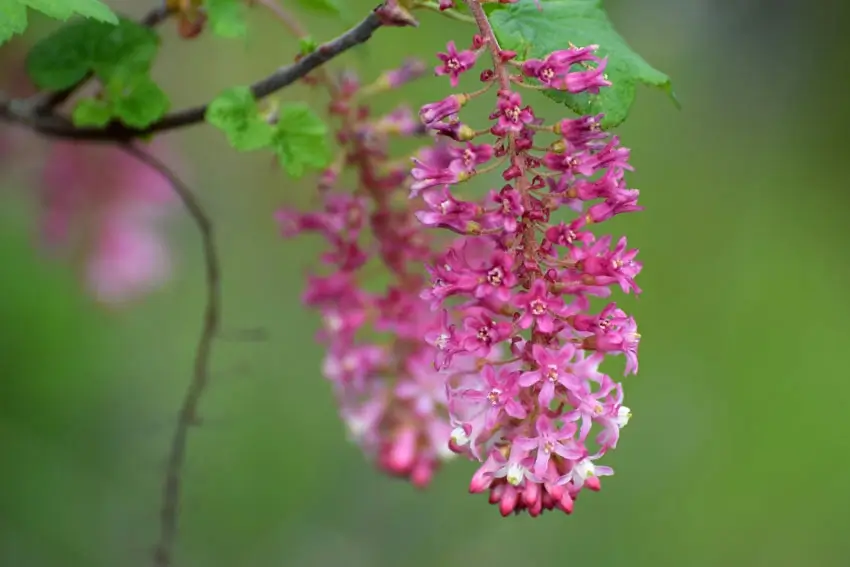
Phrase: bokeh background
(740, 442)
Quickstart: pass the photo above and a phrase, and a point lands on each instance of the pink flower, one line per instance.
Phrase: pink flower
(512, 117)
(433, 112)
(454, 62)
(552, 371)
(436, 166)
(510, 207)
(548, 441)
(400, 121)
(482, 333)
(411, 70)
(489, 394)
(539, 308)
(120, 206)
(128, 260)
(471, 156)
(448, 212)
(556, 70)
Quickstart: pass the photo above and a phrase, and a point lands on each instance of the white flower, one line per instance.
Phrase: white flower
(459, 436)
(583, 470)
(624, 414)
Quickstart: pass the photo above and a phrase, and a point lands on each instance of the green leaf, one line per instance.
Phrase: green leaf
(13, 13)
(521, 27)
(64, 9)
(136, 100)
(119, 55)
(227, 17)
(333, 7)
(13, 19)
(64, 57)
(92, 112)
(307, 45)
(300, 140)
(235, 112)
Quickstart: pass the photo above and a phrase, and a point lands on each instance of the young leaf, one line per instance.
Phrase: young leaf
(64, 9)
(64, 57)
(13, 13)
(235, 112)
(523, 28)
(119, 55)
(307, 45)
(13, 19)
(300, 140)
(323, 6)
(136, 100)
(92, 112)
(227, 17)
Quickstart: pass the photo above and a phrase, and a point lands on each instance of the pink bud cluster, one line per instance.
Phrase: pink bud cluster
(391, 397)
(514, 288)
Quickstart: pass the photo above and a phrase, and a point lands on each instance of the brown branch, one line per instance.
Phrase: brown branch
(25, 113)
(188, 415)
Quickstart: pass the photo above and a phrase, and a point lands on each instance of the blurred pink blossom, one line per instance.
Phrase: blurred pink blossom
(105, 208)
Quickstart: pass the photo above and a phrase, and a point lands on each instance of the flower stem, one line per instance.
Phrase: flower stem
(451, 14)
(493, 44)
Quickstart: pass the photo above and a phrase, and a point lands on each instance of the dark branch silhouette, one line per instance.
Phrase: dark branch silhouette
(30, 114)
(188, 415)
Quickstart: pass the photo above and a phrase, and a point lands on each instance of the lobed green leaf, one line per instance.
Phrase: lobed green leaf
(235, 112)
(298, 137)
(119, 55)
(64, 57)
(13, 13)
(300, 140)
(333, 7)
(91, 112)
(227, 17)
(533, 33)
(136, 100)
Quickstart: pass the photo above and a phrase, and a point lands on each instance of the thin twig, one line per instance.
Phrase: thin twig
(59, 127)
(188, 415)
(450, 13)
(46, 102)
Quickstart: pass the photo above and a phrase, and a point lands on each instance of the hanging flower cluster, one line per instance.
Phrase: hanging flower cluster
(484, 342)
(391, 396)
(514, 287)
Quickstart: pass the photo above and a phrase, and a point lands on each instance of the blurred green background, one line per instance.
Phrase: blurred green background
(737, 451)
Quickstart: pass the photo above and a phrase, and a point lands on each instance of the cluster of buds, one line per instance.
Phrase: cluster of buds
(391, 397)
(514, 287)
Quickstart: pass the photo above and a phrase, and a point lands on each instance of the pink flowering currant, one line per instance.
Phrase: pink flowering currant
(391, 396)
(518, 344)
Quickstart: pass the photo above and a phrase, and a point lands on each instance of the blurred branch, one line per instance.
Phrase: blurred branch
(26, 113)
(188, 415)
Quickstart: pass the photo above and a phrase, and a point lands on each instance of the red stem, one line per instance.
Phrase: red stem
(492, 43)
